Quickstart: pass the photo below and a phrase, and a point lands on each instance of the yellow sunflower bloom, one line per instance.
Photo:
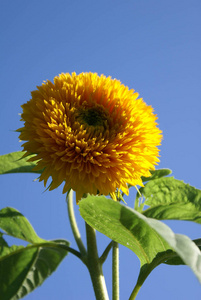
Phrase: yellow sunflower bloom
(90, 132)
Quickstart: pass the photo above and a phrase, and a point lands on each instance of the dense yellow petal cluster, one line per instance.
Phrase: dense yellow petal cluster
(90, 132)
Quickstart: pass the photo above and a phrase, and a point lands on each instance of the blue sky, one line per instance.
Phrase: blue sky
(151, 46)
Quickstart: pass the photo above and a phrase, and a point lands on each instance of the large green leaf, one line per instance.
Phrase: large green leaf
(22, 269)
(16, 225)
(151, 240)
(177, 260)
(14, 163)
(169, 198)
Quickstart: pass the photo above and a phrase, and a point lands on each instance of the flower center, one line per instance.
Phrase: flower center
(93, 117)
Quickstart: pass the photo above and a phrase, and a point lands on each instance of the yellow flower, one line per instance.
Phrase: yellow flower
(90, 132)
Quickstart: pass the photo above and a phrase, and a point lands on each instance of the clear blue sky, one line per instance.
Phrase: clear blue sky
(152, 46)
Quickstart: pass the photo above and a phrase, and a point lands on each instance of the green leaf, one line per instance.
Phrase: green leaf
(157, 174)
(14, 163)
(151, 240)
(22, 269)
(169, 198)
(25, 268)
(16, 225)
(177, 260)
(3, 244)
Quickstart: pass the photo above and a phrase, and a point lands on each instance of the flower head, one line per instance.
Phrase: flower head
(90, 132)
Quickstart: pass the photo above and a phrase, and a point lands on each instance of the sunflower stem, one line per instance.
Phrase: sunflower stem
(115, 271)
(73, 223)
(94, 265)
(104, 256)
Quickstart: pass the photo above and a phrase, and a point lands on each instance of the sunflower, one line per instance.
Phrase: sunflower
(90, 132)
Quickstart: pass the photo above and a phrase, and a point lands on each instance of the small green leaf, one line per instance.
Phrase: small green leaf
(16, 225)
(25, 268)
(14, 163)
(151, 240)
(3, 244)
(157, 174)
(169, 198)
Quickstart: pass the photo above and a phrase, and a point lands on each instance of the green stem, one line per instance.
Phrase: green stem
(94, 265)
(146, 270)
(141, 279)
(106, 252)
(144, 273)
(73, 224)
(115, 271)
(135, 291)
